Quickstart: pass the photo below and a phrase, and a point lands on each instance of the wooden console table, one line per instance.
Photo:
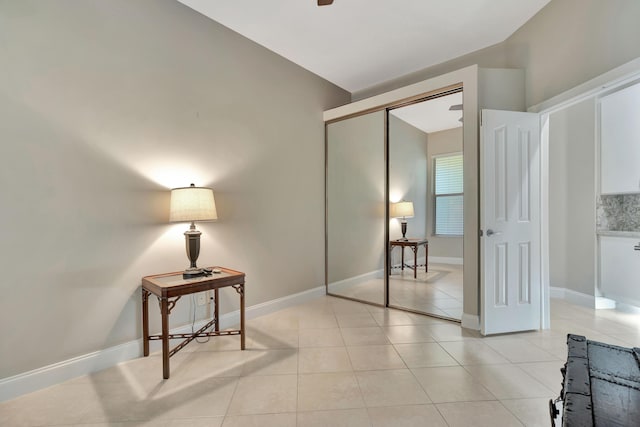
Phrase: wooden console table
(169, 288)
(414, 244)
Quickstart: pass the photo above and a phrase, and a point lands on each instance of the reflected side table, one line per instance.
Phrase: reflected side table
(414, 244)
(169, 288)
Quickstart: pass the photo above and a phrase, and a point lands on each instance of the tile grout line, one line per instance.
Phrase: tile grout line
(356, 376)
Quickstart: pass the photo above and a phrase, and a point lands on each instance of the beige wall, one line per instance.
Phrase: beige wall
(572, 41)
(572, 197)
(567, 43)
(443, 142)
(491, 57)
(408, 175)
(104, 106)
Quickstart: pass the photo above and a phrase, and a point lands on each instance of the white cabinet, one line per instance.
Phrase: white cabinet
(620, 141)
(620, 269)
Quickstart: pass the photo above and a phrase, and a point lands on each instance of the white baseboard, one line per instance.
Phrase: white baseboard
(556, 292)
(628, 308)
(278, 304)
(579, 298)
(355, 280)
(27, 382)
(623, 301)
(573, 297)
(434, 260)
(471, 321)
(605, 303)
(446, 260)
(408, 260)
(46, 376)
(584, 300)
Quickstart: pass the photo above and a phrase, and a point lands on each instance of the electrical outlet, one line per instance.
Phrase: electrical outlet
(203, 298)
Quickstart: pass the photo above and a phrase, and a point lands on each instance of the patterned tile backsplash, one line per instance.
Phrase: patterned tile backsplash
(620, 212)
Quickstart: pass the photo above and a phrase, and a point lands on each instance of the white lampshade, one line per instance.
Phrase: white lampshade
(192, 204)
(401, 210)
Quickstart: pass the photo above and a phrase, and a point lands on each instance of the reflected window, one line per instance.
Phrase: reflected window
(448, 191)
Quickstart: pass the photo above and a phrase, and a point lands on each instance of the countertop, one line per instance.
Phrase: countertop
(634, 234)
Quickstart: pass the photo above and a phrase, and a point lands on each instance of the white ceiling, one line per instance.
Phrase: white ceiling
(432, 115)
(360, 43)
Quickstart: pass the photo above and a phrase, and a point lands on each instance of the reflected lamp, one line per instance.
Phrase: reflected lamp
(402, 210)
(191, 204)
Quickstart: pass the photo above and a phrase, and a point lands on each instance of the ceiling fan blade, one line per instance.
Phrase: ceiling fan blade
(324, 2)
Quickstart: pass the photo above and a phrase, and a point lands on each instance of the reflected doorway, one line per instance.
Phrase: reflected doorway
(425, 178)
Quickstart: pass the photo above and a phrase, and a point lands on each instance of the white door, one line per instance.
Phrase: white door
(510, 221)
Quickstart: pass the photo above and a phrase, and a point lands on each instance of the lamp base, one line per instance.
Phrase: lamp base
(192, 241)
(403, 224)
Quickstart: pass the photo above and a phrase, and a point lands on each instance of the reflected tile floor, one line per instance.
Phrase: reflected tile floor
(438, 291)
(334, 362)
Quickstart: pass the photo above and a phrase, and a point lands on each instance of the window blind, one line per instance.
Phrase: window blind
(448, 183)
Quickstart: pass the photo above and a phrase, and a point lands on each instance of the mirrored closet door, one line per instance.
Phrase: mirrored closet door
(355, 208)
(425, 206)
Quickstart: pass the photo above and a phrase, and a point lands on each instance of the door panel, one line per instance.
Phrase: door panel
(525, 275)
(355, 208)
(428, 277)
(500, 275)
(510, 218)
(523, 172)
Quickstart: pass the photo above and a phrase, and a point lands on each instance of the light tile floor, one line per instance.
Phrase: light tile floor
(333, 362)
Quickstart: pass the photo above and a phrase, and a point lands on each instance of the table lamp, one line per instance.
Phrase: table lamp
(190, 204)
(402, 210)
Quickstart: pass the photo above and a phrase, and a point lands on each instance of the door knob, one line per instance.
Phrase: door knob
(490, 232)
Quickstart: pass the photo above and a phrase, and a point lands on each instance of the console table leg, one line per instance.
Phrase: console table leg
(415, 262)
(216, 310)
(242, 332)
(164, 308)
(426, 258)
(145, 322)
